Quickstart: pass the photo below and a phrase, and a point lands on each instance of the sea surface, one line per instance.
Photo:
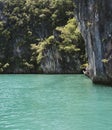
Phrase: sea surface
(54, 102)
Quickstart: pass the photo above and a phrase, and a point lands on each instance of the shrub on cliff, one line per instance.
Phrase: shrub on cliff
(24, 22)
(66, 41)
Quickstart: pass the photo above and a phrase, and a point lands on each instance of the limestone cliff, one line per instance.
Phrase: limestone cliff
(62, 52)
(95, 21)
(55, 61)
(25, 23)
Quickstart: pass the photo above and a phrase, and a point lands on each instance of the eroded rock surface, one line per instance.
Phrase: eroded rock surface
(95, 21)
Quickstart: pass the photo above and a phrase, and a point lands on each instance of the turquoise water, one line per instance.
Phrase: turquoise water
(54, 102)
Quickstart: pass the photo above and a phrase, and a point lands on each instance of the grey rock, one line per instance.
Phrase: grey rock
(95, 22)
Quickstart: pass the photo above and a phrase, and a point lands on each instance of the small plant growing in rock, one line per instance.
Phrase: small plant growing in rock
(89, 24)
(105, 60)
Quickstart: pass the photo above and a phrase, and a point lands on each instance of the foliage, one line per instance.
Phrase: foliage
(83, 66)
(105, 60)
(27, 26)
(3, 67)
(67, 39)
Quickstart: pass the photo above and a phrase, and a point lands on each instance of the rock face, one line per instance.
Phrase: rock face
(55, 61)
(29, 42)
(95, 22)
(25, 23)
